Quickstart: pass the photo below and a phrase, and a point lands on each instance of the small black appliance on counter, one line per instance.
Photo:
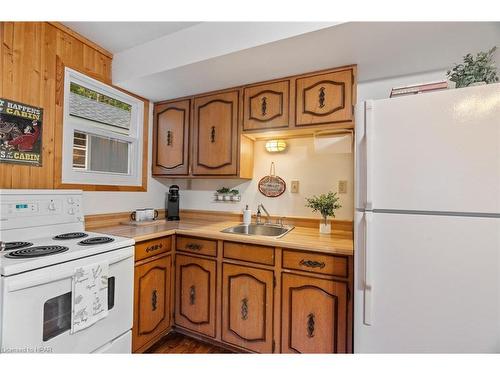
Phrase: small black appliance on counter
(173, 203)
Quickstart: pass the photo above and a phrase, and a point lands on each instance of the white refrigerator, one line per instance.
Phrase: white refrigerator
(427, 223)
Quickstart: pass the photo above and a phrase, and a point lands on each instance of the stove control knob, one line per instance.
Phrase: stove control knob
(52, 206)
(71, 211)
(71, 200)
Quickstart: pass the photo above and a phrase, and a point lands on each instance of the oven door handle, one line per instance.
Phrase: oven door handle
(28, 281)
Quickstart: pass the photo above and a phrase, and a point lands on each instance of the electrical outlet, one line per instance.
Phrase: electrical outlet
(294, 188)
(342, 187)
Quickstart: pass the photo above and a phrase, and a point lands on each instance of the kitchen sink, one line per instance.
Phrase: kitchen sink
(270, 230)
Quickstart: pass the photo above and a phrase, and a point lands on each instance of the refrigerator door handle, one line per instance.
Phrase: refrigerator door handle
(368, 284)
(369, 154)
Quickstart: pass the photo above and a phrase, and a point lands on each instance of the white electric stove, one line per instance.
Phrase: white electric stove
(43, 242)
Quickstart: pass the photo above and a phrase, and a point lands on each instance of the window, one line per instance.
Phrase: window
(102, 133)
(57, 312)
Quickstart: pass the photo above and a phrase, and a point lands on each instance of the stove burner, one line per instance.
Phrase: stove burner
(96, 241)
(36, 251)
(16, 245)
(70, 236)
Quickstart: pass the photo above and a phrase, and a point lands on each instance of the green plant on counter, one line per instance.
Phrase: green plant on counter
(223, 190)
(473, 70)
(234, 192)
(326, 204)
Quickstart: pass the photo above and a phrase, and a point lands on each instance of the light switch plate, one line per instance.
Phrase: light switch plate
(294, 186)
(342, 187)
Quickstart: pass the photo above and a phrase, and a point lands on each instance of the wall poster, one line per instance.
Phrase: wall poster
(20, 133)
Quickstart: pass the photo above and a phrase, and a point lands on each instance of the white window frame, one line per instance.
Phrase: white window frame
(72, 124)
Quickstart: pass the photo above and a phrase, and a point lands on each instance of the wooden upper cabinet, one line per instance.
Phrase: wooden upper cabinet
(266, 106)
(215, 134)
(324, 98)
(247, 307)
(152, 310)
(171, 138)
(195, 294)
(314, 315)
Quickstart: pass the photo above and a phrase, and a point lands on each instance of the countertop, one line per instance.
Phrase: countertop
(301, 238)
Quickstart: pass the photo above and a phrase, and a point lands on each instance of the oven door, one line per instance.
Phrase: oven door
(37, 307)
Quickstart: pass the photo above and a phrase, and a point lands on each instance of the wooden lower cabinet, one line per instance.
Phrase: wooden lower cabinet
(314, 315)
(247, 307)
(152, 310)
(195, 294)
(249, 297)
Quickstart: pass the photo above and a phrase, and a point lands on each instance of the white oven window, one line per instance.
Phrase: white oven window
(57, 312)
(102, 133)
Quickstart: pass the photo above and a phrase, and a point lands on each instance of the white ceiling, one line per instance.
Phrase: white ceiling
(119, 36)
(214, 55)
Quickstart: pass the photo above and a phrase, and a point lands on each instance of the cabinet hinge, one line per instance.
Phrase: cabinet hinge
(352, 109)
(274, 281)
(348, 294)
(274, 346)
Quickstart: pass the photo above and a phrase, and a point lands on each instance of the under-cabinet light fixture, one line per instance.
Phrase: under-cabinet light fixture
(276, 145)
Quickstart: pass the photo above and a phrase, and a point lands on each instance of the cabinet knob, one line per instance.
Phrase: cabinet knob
(321, 97)
(263, 106)
(312, 264)
(169, 138)
(310, 325)
(193, 246)
(192, 295)
(154, 300)
(244, 308)
(212, 135)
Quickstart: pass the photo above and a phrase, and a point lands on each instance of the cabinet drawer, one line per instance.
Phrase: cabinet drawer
(150, 248)
(314, 262)
(249, 253)
(197, 245)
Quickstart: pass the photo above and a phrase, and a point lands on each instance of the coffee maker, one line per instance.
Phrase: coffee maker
(173, 203)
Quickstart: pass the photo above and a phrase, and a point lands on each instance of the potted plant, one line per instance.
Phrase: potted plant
(325, 204)
(222, 193)
(235, 195)
(474, 71)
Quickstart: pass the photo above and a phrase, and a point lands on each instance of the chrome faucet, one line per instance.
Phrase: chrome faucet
(259, 215)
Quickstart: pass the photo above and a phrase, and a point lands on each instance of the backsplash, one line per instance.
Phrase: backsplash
(316, 173)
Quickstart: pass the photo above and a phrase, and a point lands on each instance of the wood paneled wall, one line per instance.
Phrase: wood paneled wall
(28, 55)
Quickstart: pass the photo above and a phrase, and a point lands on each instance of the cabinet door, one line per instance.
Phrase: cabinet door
(215, 133)
(266, 106)
(324, 98)
(247, 307)
(171, 139)
(195, 294)
(314, 315)
(152, 308)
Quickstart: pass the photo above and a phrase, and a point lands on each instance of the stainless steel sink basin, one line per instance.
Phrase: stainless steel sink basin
(269, 230)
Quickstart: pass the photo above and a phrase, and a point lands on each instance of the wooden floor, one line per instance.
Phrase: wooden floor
(176, 343)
